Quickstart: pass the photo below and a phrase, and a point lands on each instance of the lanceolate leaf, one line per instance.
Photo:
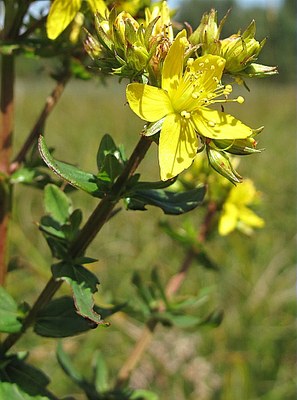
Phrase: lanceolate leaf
(170, 202)
(9, 313)
(60, 319)
(57, 204)
(83, 284)
(73, 175)
(13, 392)
(29, 379)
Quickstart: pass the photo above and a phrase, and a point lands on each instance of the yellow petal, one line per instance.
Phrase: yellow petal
(174, 63)
(218, 125)
(248, 217)
(243, 194)
(178, 145)
(97, 6)
(148, 102)
(210, 69)
(62, 12)
(228, 220)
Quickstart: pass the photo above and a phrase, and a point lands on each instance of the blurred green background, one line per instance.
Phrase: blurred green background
(251, 355)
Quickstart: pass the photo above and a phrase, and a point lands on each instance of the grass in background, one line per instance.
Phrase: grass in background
(251, 355)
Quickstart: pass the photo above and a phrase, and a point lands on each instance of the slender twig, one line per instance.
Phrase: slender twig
(92, 227)
(171, 289)
(6, 118)
(50, 103)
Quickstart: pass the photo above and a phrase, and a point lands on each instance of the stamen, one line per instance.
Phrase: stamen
(185, 114)
(240, 99)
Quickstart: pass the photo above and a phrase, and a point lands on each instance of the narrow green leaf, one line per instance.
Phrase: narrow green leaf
(9, 313)
(60, 319)
(142, 394)
(107, 146)
(11, 391)
(170, 202)
(67, 365)
(57, 204)
(101, 374)
(83, 284)
(74, 375)
(71, 174)
(28, 378)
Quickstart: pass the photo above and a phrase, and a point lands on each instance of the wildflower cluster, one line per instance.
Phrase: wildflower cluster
(178, 81)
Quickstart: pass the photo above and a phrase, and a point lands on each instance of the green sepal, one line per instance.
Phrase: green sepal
(221, 163)
(83, 284)
(9, 313)
(171, 203)
(71, 174)
(30, 380)
(153, 128)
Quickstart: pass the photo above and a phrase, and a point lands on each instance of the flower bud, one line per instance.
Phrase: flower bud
(92, 46)
(258, 71)
(239, 50)
(220, 162)
(207, 32)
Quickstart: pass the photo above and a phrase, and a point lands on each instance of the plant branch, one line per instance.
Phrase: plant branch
(6, 121)
(172, 287)
(50, 103)
(92, 227)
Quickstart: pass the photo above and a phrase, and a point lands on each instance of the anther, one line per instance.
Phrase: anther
(211, 124)
(240, 99)
(185, 114)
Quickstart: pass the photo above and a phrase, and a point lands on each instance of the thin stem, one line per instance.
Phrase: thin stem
(172, 287)
(105, 207)
(92, 227)
(45, 296)
(50, 103)
(6, 118)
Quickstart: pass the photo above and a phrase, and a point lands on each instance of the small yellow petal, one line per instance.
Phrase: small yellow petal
(148, 102)
(214, 124)
(178, 145)
(248, 217)
(174, 63)
(62, 12)
(97, 6)
(228, 219)
(243, 194)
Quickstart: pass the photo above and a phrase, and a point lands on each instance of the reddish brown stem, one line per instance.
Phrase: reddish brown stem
(50, 103)
(6, 114)
(94, 224)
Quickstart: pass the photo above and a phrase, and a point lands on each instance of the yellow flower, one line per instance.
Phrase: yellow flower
(236, 213)
(62, 12)
(182, 101)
